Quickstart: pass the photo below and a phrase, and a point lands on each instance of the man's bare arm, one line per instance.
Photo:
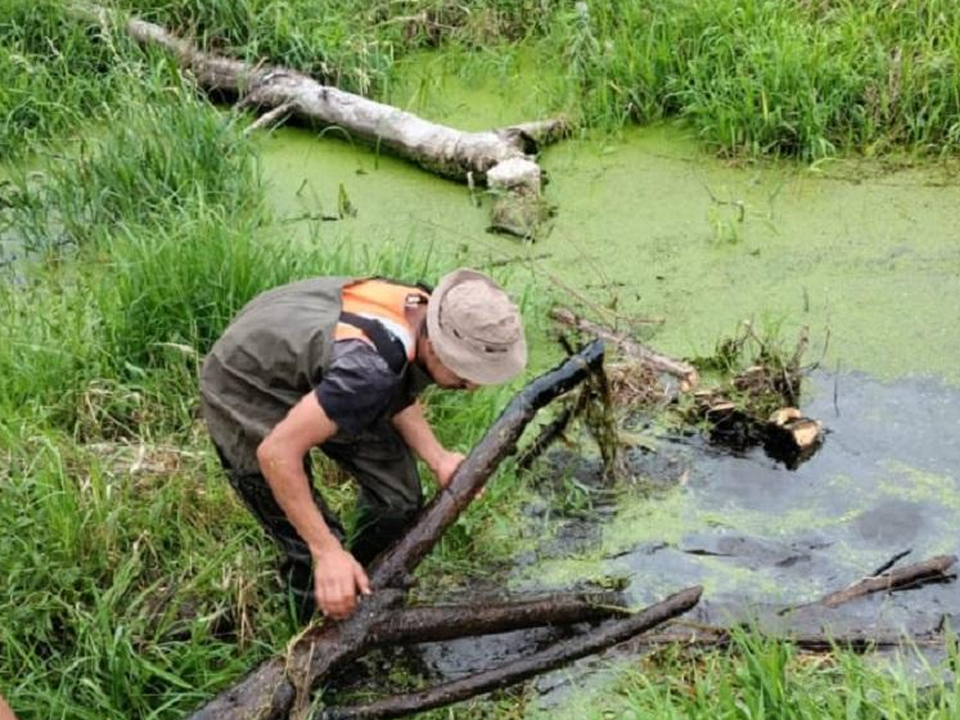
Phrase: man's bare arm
(417, 433)
(337, 575)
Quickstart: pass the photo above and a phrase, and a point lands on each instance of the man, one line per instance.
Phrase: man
(337, 363)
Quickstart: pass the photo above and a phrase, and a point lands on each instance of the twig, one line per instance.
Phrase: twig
(271, 118)
(933, 569)
(891, 562)
(909, 576)
(687, 374)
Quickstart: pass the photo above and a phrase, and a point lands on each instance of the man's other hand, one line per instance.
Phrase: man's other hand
(337, 577)
(447, 465)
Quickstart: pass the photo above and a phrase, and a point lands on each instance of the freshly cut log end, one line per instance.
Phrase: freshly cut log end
(791, 437)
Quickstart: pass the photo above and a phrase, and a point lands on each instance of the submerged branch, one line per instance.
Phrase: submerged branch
(932, 570)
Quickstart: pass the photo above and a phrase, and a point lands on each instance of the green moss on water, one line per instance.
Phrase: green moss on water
(867, 264)
(923, 487)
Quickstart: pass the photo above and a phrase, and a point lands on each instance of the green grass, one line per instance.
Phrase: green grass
(752, 77)
(759, 678)
(134, 583)
(763, 77)
(55, 74)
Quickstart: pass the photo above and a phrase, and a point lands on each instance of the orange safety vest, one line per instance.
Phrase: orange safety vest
(385, 302)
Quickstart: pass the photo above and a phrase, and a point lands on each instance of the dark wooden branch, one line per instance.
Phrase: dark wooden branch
(389, 569)
(446, 622)
(544, 439)
(891, 562)
(932, 570)
(552, 657)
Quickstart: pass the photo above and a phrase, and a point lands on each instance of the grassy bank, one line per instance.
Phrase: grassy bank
(752, 77)
(755, 77)
(134, 583)
(758, 678)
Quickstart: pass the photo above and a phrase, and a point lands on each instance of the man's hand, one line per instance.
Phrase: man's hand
(446, 465)
(337, 577)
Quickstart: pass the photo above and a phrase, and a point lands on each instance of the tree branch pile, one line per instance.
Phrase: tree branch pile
(281, 687)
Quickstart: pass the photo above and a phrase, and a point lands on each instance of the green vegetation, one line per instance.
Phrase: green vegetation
(759, 678)
(134, 583)
(756, 77)
(133, 222)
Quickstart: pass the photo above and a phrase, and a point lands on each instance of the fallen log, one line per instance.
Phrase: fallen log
(447, 622)
(502, 158)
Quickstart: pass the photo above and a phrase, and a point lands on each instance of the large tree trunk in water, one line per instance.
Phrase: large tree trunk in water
(281, 687)
(502, 158)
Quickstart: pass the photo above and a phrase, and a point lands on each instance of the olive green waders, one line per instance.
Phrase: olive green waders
(271, 355)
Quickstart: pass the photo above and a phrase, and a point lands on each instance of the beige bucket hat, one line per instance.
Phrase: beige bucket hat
(475, 329)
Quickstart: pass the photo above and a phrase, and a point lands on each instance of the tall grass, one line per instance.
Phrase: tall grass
(55, 73)
(756, 77)
(120, 598)
(766, 77)
(761, 678)
(163, 151)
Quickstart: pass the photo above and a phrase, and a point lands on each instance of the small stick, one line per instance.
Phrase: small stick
(687, 374)
(933, 569)
(547, 435)
(271, 118)
(891, 562)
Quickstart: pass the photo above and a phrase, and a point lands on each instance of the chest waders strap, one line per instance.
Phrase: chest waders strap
(390, 348)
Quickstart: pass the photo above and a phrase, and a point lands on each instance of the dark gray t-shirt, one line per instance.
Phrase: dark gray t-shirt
(358, 388)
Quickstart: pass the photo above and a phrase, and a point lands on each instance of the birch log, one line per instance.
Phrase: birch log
(504, 159)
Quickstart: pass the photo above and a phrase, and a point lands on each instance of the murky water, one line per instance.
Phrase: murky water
(886, 480)
(757, 536)
(872, 267)
(867, 257)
